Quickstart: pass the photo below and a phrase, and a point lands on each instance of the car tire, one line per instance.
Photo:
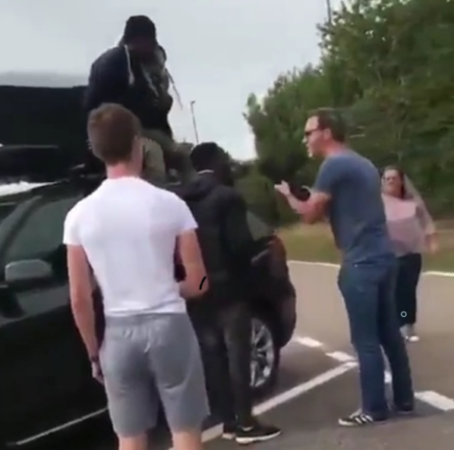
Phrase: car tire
(265, 355)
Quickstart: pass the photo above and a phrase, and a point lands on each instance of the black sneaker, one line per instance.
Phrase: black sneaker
(256, 433)
(229, 431)
(359, 419)
(405, 410)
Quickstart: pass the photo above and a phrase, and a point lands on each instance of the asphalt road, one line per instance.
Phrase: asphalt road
(318, 380)
(309, 421)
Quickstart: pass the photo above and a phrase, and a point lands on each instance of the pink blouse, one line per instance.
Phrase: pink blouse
(408, 224)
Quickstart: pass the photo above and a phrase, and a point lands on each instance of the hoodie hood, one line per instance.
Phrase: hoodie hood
(198, 188)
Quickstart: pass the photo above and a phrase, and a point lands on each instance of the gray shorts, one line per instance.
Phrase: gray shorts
(148, 359)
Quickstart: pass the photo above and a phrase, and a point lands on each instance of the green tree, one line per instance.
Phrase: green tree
(389, 64)
(277, 121)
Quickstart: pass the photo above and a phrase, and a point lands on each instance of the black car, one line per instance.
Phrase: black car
(45, 380)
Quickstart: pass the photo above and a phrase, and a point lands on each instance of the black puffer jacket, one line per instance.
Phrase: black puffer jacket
(225, 240)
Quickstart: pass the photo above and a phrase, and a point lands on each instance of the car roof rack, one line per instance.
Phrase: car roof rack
(44, 163)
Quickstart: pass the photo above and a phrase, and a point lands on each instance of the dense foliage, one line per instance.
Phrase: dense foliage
(389, 64)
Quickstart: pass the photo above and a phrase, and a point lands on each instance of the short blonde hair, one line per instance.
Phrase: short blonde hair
(111, 131)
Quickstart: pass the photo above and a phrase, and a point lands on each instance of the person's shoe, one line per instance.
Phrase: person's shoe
(229, 431)
(257, 432)
(409, 333)
(359, 419)
(404, 410)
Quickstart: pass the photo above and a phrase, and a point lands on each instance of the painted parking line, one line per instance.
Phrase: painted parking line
(307, 342)
(290, 394)
(294, 382)
(432, 273)
(431, 398)
(346, 363)
(436, 400)
(341, 357)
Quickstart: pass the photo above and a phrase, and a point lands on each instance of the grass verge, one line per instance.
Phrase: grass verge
(315, 243)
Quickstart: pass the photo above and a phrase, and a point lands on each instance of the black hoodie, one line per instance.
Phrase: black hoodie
(225, 239)
(116, 79)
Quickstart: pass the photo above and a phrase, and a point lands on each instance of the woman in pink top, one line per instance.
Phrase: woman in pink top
(412, 231)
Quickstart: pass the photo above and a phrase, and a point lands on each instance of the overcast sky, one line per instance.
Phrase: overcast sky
(219, 51)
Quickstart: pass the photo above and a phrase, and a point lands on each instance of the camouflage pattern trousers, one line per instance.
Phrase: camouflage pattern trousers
(155, 143)
(162, 154)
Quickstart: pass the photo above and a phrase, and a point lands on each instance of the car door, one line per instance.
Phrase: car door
(45, 379)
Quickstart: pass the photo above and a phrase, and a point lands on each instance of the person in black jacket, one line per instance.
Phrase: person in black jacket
(222, 318)
(134, 74)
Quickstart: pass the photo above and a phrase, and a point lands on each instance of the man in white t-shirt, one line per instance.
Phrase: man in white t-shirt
(127, 232)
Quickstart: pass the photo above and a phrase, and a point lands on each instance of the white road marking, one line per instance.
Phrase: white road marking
(433, 273)
(349, 362)
(432, 398)
(305, 387)
(340, 356)
(307, 342)
(313, 263)
(436, 400)
(286, 396)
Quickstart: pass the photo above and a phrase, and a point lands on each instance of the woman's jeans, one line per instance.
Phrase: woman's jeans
(408, 273)
(368, 291)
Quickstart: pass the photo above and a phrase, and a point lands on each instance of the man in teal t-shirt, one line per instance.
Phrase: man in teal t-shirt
(347, 190)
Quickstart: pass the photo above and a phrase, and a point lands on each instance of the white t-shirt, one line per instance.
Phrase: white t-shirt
(128, 229)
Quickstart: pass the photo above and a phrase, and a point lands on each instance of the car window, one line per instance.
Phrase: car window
(42, 232)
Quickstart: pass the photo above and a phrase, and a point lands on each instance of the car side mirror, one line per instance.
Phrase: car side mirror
(27, 271)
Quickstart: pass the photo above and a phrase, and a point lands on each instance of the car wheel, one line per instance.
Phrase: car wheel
(265, 356)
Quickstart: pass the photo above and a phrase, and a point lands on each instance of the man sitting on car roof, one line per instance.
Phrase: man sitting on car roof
(134, 75)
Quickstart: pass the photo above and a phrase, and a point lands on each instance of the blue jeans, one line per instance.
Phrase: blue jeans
(368, 291)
